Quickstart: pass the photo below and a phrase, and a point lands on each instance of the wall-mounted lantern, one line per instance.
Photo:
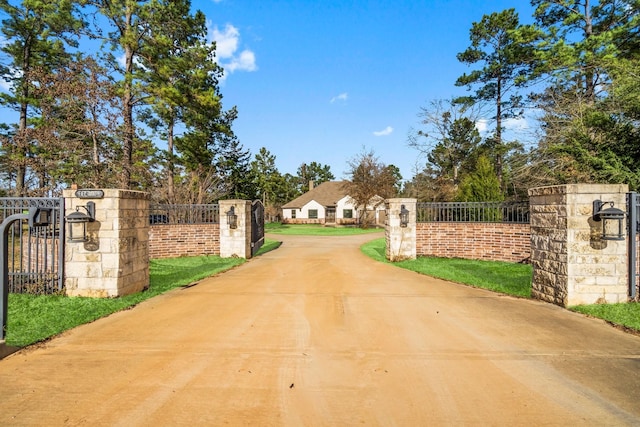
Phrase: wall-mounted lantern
(232, 218)
(78, 222)
(612, 220)
(404, 216)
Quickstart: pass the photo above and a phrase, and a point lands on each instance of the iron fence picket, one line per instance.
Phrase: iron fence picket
(36, 254)
(166, 214)
(633, 231)
(500, 212)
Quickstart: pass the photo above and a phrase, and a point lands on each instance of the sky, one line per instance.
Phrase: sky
(327, 80)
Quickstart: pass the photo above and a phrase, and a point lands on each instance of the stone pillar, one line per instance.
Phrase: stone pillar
(571, 263)
(401, 241)
(235, 242)
(114, 261)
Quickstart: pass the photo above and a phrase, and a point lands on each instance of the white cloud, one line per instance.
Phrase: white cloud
(4, 85)
(246, 61)
(482, 125)
(342, 97)
(513, 125)
(227, 42)
(516, 124)
(386, 131)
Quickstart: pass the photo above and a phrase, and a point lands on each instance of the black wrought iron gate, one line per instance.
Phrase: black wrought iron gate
(257, 226)
(35, 255)
(633, 216)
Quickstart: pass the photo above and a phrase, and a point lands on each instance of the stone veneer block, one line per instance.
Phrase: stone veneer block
(571, 263)
(235, 242)
(115, 259)
(400, 241)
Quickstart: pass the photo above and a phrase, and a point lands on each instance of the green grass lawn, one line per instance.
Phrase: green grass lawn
(315, 230)
(506, 277)
(33, 318)
(623, 314)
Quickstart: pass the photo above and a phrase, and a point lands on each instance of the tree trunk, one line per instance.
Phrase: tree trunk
(170, 165)
(589, 75)
(129, 131)
(21, 173)
(499, 133)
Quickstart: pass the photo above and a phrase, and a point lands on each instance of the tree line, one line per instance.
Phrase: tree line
(573, 70)
(93, 83)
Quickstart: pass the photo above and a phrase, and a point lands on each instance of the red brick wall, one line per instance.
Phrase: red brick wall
(339, 221)
(485, 241)
(302, 221)
(176, 240)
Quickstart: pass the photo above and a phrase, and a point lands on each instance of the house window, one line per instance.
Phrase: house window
(293, 213)
(347, 213)
(313, 213)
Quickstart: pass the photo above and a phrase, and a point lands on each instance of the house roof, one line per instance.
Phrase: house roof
(327, 194)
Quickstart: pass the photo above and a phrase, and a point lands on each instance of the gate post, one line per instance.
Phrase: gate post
(235, 242)
(400, 237)
(114, 259)
(571, 262)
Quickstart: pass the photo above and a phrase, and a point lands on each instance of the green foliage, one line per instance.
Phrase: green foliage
(181, 81)
(451, 142)
(587, 55)
(288, 188)
(169, 77)
(315, 172)
(266, 175)
(581, 58)
(502, 57)
(234, 164)
(453, 154)
(482, 185)
(37, 34)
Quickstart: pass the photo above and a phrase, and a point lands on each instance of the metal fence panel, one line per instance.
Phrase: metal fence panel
(633, 218)
(511, 212)
(164, 214)
(257, 226)
(36, 254)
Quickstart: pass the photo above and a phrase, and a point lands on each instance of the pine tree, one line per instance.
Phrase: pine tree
(38, 36)
(502, 53)
(482, 185)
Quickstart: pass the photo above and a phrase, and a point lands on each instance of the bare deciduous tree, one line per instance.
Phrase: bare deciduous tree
(370, 183)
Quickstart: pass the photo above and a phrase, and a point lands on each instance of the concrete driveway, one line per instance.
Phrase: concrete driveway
(316, 334)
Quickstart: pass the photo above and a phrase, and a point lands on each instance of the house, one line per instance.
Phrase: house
(328, 203)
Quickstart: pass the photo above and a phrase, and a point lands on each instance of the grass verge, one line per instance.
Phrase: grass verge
(626, 315)
(316, 230)
(505, 277)
(33, 318)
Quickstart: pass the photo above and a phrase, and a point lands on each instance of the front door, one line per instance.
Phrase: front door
(331, 216)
